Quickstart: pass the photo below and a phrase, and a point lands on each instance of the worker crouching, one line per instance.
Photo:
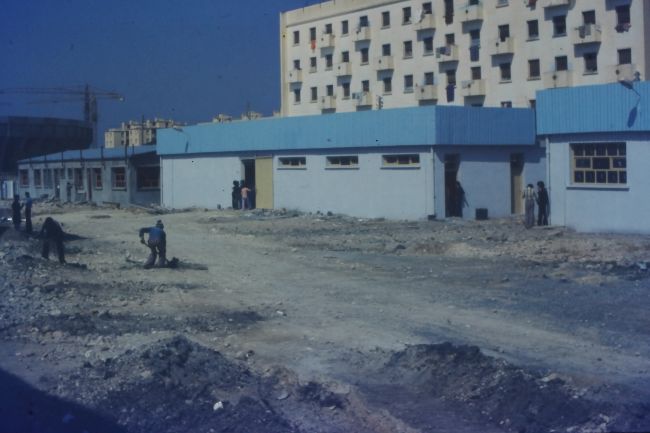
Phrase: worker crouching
(52, 233)
(157, 243)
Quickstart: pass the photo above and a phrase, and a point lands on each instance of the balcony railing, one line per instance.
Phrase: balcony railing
(384, 63)
(426, 22)
(625, 72)
(553, 3)
(428, 92)
(294, 76)
(363, 99)
(448, 53)
(327, 40)
(362, 34)
(558, 79)
(502, 46)
(471, 13)
(473, 88)
(343, 69)
(587, 34)
(327, 102)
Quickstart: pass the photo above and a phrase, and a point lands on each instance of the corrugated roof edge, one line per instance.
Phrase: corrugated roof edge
(90, 154)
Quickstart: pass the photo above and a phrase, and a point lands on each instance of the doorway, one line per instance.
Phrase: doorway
(57, 186)
(453, 195)
(258, 176)
(516, 183)
(90, 184)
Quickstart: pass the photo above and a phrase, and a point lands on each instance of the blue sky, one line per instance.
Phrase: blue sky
(188, 60)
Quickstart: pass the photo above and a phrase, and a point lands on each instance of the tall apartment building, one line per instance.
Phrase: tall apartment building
(348, 55)
(134, 133)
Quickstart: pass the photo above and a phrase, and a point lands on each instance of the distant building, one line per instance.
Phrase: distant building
(356, 55)
(135, 133)
(23, 137)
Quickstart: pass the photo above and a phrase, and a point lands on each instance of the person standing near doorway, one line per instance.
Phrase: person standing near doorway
(542, 204)
(236, 194)
(15, 209)
(245, 202)
(28, 213)
(529, 197)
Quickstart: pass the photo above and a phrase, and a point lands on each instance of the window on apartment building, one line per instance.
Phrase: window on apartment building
(328, 29)
(314, 94)
(427, 9)
(388, 85)
(449, 11)
(345, 27)
(296, 95)
(385, 19)
(599, 163)
(364, 56)
(504, 32)
(312, 64)
(97, 178)
(625, 56)
(70, 176)
(408, 49)
(451, 85)
(476, 73)
(148, 177)
(561, 63)
(24, 178)
(501, 3)
(588, 17)
(47, 178)
(345, 161)
(450, 39)
(404, 160)
(427, 45)
(428, 78)
(474, 45)
(292, 162)
(38, 181)
(559, 25)
(345, 57)
(296, 65)
(591, 63)
(118, 177)
(78, 179)
(363, 21)
(533, 69)
(533, 29)
(296, 37)
(532, 103)
(505, 71)
(312, 34)
(365, 86)
(329, 90)
(328, 62)
(408, 83)
(623, 19)
(346, 89)
(506, 104)
(385, 50)
(406, 15)
(473, 2)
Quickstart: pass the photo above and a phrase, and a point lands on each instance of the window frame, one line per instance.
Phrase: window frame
(38, 178)
(292, 162)
(337, 162)
(23, 178)
(400, 160)
(600, 151)
(116, 174)
(98, 178)
(148, 178)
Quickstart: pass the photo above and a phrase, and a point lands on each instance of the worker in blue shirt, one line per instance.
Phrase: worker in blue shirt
(157, 243)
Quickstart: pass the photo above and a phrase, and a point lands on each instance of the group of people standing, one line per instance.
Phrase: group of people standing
(539, 197)
(241, 196)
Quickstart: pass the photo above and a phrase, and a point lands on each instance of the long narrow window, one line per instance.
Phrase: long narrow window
(293, 162)
(410, 160)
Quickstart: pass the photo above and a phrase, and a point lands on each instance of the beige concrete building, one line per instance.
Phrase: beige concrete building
(134, 133)
(348, 55)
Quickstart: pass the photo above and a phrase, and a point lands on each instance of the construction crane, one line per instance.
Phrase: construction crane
(89, 95)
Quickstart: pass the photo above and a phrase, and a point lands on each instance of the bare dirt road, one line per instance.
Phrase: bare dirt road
(284, 322)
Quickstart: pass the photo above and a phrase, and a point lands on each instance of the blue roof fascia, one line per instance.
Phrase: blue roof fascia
(594, 109)
(90, 154)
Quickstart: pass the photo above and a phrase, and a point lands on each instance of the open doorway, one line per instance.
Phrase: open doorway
(248, 168)
(258, 176)
(453, 195)
(516, 183)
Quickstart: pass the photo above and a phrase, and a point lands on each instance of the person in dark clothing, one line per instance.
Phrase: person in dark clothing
(236, 194)
(51, 232)
(28, 213)
(157, 243)
(542, 204)
(15, 208)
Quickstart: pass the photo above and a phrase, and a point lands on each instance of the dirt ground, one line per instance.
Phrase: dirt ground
(286, 322)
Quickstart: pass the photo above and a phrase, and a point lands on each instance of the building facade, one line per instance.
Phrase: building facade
(134, 133)
(400, 163)
(350, 55)
(103, 176)
(598, 142)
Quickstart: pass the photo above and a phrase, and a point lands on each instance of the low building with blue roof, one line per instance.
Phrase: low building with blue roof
(105, 176)
(400, 163)
(598, 142)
